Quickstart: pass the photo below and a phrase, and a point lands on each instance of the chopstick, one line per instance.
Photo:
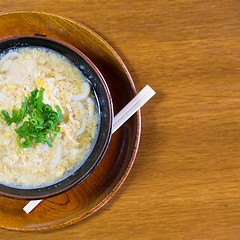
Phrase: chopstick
(132, 107)
(31, 205)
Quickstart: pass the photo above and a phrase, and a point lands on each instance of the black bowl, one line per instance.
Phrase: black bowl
(104, 102)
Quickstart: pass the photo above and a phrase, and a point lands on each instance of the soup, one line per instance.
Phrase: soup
(28, 69)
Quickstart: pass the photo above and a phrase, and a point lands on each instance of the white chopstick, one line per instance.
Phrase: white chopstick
(31, 205)
(135, 104)
(132, 107)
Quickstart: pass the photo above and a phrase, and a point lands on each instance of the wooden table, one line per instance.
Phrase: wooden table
(185, 180)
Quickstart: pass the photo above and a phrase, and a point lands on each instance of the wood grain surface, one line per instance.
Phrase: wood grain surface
(185, 181)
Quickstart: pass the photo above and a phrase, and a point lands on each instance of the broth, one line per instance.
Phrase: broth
(23, 70)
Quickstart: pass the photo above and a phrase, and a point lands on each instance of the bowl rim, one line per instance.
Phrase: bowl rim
(108, 138)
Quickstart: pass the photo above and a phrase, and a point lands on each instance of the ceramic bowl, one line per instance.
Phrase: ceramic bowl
(103, 98)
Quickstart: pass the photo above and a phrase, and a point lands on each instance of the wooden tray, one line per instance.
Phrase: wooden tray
(104, 181)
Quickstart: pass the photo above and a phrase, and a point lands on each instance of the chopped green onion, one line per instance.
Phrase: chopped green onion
(42, 124)
(59, 112)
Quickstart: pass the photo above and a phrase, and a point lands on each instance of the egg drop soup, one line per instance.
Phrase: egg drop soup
(22, 71)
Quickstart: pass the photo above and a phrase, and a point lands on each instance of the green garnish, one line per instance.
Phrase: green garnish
(42, 124)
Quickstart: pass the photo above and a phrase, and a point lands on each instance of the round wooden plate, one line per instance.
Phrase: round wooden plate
(104, 181)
